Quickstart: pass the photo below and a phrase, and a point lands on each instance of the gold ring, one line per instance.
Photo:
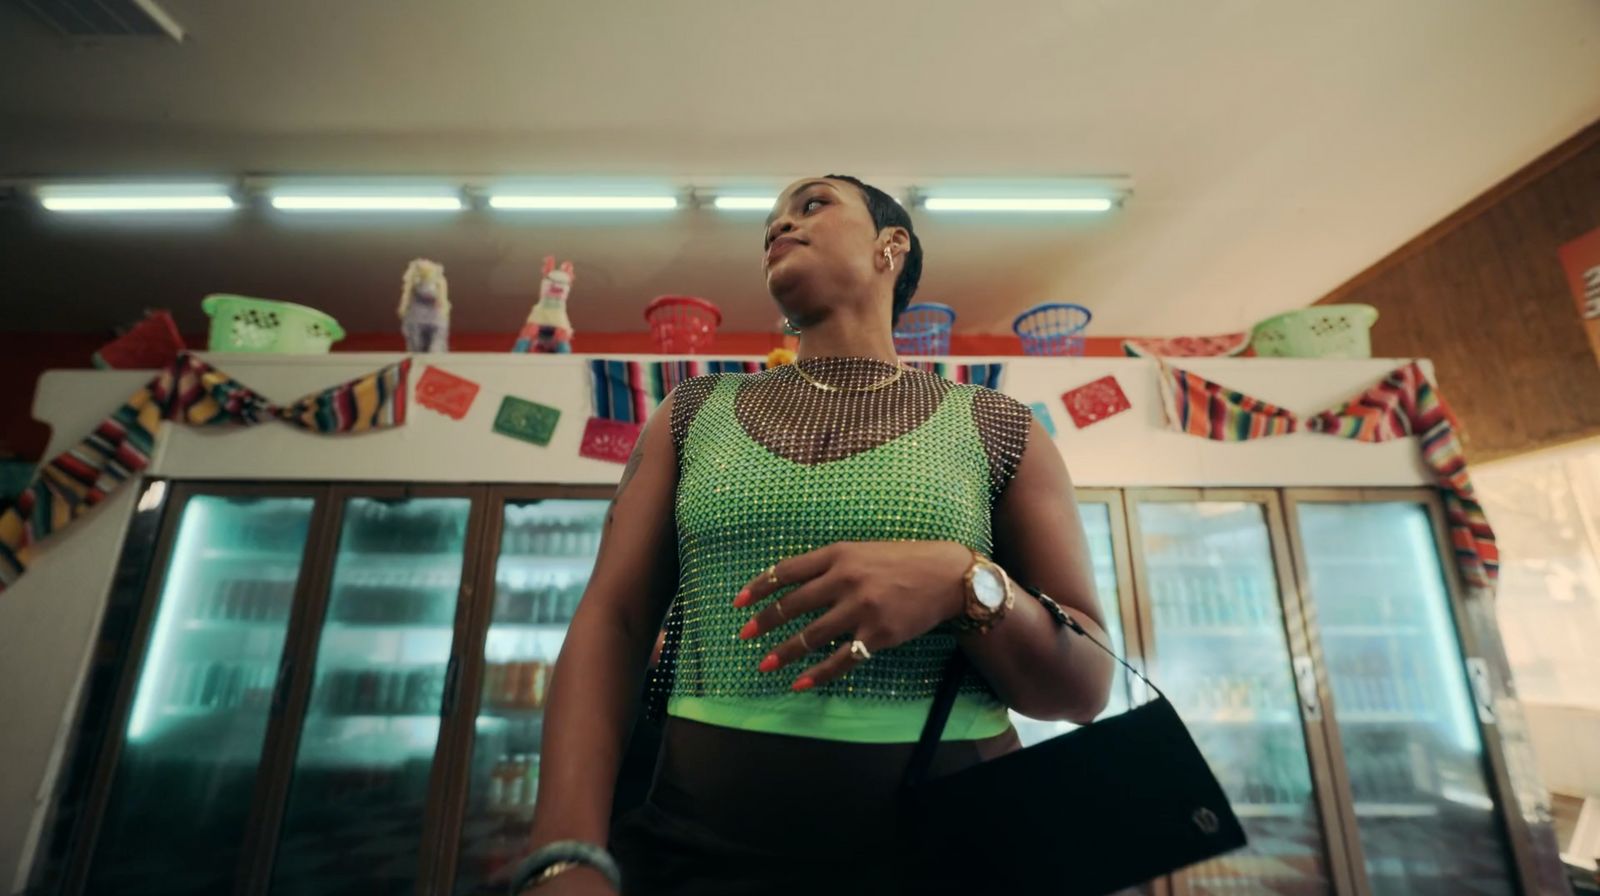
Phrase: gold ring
(859, 650)
(778, 605)
(772, 575)
(803, 642)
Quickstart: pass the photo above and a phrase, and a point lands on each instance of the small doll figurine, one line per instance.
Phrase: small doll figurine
(548, 329)
(425, 307)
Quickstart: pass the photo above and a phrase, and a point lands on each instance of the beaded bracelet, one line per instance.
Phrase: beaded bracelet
(566, 853)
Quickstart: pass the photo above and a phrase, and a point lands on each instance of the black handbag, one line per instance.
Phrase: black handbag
(1093, 811)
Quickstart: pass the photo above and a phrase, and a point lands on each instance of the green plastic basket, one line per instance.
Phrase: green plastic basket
(243, 324)
(1321, 331)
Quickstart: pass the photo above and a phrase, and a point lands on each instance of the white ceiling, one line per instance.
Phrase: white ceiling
(1277, 148)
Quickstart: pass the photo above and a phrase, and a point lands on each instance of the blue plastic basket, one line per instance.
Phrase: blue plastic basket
(924, 329)
(1054, 328)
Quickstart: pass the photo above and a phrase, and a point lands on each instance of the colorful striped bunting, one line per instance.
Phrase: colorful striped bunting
(1200, 407)
(192, 392)
(627, 391)
(1404, 404)
(987, 375)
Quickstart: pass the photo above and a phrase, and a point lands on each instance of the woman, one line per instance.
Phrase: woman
(823, 533)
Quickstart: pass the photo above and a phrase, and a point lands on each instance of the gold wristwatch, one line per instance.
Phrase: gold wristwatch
(989, 595)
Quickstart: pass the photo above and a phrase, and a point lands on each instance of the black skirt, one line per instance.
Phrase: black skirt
(739, 812)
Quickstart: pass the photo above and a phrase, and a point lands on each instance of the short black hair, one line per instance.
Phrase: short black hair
(888, 213)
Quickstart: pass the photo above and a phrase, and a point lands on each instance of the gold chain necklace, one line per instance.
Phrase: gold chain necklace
(899, 372)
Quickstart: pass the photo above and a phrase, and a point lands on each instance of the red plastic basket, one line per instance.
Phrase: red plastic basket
(151, 343)
(682, 325)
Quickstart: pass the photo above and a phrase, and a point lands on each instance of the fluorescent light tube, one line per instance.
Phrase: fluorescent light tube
(511, 202)
(330, 202)
(953, 204)
(744, 203)
(135, 198)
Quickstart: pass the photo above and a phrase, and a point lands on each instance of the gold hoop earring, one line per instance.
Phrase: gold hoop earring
(888, 255)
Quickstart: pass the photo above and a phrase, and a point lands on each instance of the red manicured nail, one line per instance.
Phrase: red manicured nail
(804, 683)
(748, 631)
(742, 598)
(769, 663)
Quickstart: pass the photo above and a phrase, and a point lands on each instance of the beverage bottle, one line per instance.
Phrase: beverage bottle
(493, 681)
(537, 677)
(524, 680)
(254, 608)
(530, 780)
(497, 785)
(515, 781)
(513, 684)
(208, 693)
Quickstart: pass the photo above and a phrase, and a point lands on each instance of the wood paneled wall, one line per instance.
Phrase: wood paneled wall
(1484, 295)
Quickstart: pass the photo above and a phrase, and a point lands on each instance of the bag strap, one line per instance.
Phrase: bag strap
(944, 699)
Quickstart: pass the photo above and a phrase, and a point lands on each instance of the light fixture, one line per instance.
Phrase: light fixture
(518, 202)
(1037, 204)
(1081, 195)
(365, 197)
(134, 197)
(744, 203)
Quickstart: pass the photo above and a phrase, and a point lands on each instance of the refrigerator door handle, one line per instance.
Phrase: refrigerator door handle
(1305, 677)
(452, 684)
(1482, 693)
(280, 690)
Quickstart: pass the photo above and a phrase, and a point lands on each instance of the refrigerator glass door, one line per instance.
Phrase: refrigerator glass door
(547, 550)
(181, 793)
(1222, 656)
(1096, 516)
(1407, 720)
(354, 817)
(1097, 526)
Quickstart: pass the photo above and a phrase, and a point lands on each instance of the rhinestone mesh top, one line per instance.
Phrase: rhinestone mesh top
(771, 466)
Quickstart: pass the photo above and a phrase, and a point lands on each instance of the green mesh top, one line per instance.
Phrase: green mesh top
(770, 467)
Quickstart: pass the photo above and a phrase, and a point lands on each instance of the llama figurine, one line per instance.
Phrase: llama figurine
(425, 307)
(548, 329)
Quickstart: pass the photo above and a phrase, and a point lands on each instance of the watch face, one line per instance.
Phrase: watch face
(987, 586)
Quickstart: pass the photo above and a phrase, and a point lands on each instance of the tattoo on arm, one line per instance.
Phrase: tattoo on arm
(633, 466)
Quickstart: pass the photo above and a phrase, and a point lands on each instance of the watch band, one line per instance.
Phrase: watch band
(542, 864)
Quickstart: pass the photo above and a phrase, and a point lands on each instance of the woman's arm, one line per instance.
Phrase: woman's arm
(1037, 667)
(595, 685)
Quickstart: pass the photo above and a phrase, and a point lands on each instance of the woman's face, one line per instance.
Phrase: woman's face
(819, 246)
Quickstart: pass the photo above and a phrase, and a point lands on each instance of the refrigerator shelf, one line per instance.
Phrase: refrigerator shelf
(397, 715)
(545, 561)
(219, 626)
(1338, 630)
(1269, 810)
(1395, 810)
(1276, 719)
(1386, 717)
(288, 560)
(1177, 633)
(546, 628)
(388, 627)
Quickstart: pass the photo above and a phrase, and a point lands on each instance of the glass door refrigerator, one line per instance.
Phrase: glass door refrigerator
(540, 549)
(360, 773)
(1212, 568)
(170, 806)
(1430, 811)
(1105, 531)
